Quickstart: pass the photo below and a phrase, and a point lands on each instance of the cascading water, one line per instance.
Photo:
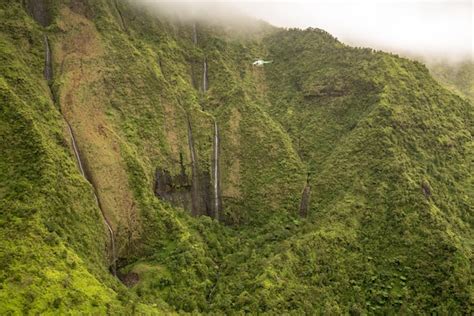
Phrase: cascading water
(194, 182)
(48, 75)
(81, 168)
(204, 77)
(76, 151)
(48, 66)
(216, 170)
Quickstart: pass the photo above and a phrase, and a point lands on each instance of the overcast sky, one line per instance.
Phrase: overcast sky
(438, 28)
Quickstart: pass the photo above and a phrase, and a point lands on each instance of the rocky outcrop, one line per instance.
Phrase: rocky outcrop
(174, 189)
(192, 192)
(200, 193)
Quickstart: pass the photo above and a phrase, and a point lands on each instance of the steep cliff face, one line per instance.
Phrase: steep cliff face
(226, 188)
(41, 11)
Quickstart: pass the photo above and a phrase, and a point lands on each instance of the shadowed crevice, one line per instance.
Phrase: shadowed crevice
(40, 11)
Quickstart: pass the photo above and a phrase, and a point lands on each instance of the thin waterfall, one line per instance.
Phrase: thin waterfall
(194, 184)
(76, 151)
(216, 170)
(111, 233)
(204, 76)
(48, 75)
(48, 65)
(106, 221)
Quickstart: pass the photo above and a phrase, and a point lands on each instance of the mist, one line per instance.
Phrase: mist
(430, 30)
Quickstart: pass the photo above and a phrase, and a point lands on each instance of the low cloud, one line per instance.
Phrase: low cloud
(429, 29)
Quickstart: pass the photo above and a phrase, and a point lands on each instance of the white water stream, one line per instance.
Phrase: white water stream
(48, 67)
(204, 77)
(81, 168)
(216, 170)
(48, 74)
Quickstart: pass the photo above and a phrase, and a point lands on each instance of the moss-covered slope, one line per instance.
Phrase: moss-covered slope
(380, 154)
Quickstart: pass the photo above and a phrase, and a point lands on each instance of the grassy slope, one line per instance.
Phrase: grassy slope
(384, 149)
(128, 116)
(52, 234)
(458, 76)
(373, 130)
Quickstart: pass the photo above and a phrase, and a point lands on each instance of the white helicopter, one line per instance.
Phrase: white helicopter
(261, 62)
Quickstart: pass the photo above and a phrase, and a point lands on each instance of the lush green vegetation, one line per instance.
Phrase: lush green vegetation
(386, 150)
(458, 76)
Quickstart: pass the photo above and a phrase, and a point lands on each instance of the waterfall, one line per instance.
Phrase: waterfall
(106, 221)
(195, 38)
(204, 77)
(48, 75)
(216, 170)
(111, 234)
(76, 151)
(194, 184)
(48, 65)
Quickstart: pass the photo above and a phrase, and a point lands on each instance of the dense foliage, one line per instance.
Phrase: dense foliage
(384, 150)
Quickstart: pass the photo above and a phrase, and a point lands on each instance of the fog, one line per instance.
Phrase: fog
(437, 29)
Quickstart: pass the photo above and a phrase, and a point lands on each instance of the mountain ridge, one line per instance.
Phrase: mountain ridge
(382, 148)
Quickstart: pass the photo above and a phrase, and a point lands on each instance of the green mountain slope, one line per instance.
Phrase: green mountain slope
(457, 76)
(339, 179)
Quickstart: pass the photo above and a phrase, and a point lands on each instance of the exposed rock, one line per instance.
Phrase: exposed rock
(425, 187)
(174, 189)
(129, 279)
(40, 11)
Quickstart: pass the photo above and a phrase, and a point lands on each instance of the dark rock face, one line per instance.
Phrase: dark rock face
(425, 187)
(81, 7)
(129, 279)
(191, 192)
(40, 11)
(174, 189)
(202, 196)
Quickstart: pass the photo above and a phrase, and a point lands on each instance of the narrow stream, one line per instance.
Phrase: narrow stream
(216, 170)
(194, 186)
(48, 75)
(204, 77)
(48, 66)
